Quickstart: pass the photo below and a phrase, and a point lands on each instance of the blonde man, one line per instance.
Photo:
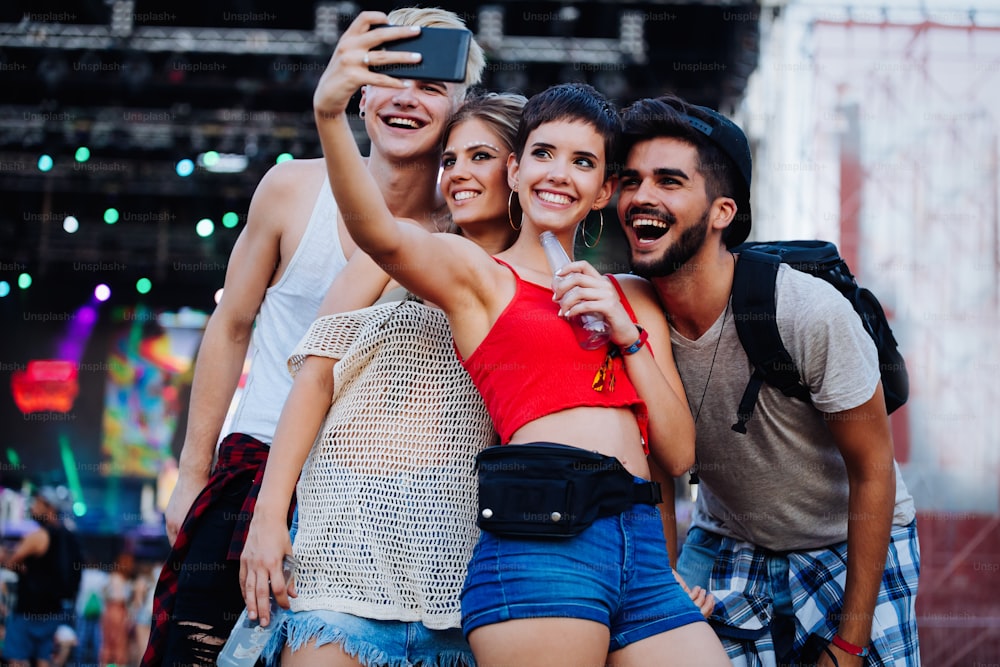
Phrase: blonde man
(292, 247)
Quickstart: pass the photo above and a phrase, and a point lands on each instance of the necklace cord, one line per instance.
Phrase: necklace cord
(704, 392)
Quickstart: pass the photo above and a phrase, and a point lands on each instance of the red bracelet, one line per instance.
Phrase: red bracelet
(637, 345)
(848, 647)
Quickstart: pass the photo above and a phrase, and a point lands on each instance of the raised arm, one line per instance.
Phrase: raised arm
(438, 267)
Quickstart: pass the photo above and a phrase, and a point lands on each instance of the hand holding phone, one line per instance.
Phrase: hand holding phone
(348, 68)
(445, 54)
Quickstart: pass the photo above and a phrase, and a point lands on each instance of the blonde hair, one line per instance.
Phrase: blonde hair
(435, 17)
(500, 111)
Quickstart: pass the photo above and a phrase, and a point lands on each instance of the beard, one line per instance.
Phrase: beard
(677, 255)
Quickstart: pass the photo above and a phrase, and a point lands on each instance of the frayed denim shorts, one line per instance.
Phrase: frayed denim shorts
(615, 572)
(373, 643)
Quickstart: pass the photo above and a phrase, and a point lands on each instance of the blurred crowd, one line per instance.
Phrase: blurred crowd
(102, 619)
(108, 624)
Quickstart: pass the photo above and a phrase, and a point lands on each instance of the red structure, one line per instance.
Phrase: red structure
(48, 385)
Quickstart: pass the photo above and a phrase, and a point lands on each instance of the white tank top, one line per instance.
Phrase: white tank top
(288, 308)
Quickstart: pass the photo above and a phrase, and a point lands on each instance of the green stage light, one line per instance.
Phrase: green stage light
(111, 216)
(71, 467)
(82, 154)
(143, 285)
(230, 219)
(45, 162)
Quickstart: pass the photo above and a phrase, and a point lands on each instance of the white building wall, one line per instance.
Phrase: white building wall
(928, 104)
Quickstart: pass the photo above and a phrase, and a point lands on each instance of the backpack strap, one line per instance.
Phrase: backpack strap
(757, 327)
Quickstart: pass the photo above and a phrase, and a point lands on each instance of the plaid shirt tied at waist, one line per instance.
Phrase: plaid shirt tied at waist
(241, 457)
(741, 582)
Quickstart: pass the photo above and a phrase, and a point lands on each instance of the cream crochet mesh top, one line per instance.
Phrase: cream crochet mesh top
(387, 496)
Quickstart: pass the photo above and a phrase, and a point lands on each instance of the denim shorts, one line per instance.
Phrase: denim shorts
(697, 557)
(30, 636)
(373, 643)
(615, 572)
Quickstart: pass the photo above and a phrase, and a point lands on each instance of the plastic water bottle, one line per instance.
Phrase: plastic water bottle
(248, 637)
(591, 330)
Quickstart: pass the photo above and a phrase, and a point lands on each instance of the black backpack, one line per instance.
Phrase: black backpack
(756, 324)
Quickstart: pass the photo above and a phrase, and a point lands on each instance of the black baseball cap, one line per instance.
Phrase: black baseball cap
(728, 136)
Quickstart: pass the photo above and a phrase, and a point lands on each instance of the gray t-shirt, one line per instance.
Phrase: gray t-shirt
(782, 485)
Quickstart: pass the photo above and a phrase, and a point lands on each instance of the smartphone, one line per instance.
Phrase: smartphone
(445, 54)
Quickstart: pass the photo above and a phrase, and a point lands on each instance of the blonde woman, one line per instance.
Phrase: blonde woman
(387, 495)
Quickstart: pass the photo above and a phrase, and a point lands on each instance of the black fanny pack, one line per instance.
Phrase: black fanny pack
(549, 490)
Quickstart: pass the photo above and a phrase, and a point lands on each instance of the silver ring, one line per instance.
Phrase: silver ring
(365, 59)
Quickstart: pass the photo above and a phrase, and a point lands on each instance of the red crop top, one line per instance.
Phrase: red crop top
(530, 365)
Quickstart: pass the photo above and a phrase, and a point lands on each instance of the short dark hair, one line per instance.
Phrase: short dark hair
(572, 101)
(670, 116)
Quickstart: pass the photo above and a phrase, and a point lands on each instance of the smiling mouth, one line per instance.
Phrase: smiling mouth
(554, 198)
(648, 229)
(464, 195)
(403, 123)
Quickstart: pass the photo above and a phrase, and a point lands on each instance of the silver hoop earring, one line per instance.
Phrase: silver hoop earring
(510, 214)
(600, 230)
